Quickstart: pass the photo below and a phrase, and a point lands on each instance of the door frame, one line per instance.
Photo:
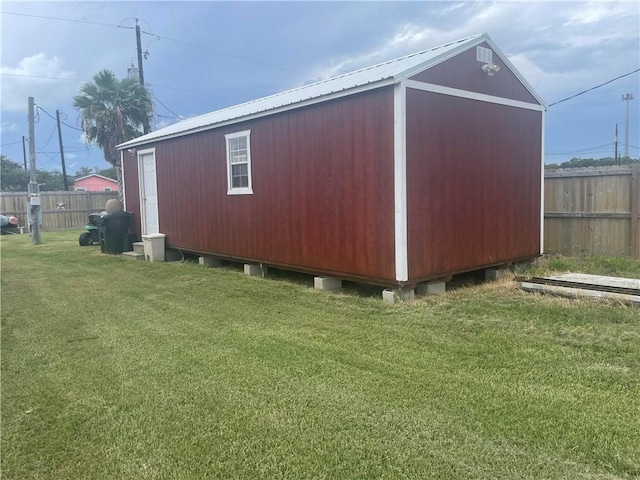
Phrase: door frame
(141, 190)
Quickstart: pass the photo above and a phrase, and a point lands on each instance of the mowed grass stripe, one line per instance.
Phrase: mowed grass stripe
(119, 369)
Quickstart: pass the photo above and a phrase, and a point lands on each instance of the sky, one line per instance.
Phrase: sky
(204, 56)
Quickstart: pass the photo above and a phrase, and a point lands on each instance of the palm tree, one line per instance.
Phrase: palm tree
(113, 111)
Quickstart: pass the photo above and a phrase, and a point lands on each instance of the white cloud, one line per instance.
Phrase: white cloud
(7, 127)
(549, 84)
(410, 35)
(594, 12)
(38, 76)
(407, 39)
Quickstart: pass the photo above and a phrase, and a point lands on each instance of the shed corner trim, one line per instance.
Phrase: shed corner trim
(400, 179)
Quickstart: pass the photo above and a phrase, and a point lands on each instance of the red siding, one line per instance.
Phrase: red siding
(465, 73)
(322, 182)
(473, 184)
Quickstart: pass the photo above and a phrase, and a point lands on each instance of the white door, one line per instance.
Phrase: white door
(148, 191)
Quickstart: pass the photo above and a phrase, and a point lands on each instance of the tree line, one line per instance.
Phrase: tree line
(592, 162)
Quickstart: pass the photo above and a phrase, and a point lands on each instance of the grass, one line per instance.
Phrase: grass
(120, 369)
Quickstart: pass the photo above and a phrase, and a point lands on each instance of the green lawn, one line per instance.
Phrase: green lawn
(113, 369)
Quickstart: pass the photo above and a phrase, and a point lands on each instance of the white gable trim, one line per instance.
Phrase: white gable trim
(400, 180)
(474, 42)
(515, 71)
(430, 87)
(124, 195)
(471, 42)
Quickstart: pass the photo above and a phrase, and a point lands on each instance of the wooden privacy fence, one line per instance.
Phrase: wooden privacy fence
(60, 210)
(587, 210)
(592, 210)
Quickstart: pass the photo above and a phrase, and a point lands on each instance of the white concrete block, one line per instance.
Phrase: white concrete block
(252, 270)
(398, 295)
(492, 274)
(327, 284)
(431, 288)
(388, 296)
(154, 247)
(209, 261)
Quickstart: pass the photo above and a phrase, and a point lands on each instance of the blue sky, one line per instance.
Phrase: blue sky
(203, 56)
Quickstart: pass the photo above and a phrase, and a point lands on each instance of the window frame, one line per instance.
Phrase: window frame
(231, 190)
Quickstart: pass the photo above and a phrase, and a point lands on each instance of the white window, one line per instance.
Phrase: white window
(239, 163)
(484, 55)
(80, 189)
(107, 189)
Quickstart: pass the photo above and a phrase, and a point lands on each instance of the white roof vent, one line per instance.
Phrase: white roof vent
(484, 55)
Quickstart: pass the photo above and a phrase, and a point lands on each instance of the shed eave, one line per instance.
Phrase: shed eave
(140, 141)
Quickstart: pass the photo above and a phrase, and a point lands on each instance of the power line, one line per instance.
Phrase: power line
(191, 91)
(148, 84)
(68, 151)
(219, 52)
(55, 128)
(65, 20)
(70, 126)
(168, 109)
(593, 88)
(39, 76)
(583, 150)
(38, 108)
(239, 57)
(12, 143)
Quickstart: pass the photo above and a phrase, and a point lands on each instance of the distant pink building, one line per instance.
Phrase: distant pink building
(95, 183)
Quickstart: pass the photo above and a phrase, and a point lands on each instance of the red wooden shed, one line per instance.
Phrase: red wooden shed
(414, 169)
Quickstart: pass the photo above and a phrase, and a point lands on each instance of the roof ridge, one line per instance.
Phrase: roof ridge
(382, 73)
(342, 75)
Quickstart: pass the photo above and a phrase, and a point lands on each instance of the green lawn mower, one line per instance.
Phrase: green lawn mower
(92, 234)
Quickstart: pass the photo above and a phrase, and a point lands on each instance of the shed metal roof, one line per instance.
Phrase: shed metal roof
(385, 73)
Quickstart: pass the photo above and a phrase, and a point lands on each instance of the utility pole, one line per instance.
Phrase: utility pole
(615, 139)
(627, 97)
(145, 123)
(34, 189)
(24, 153)
(64, 168)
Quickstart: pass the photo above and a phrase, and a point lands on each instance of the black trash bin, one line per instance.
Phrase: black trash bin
(113, 228)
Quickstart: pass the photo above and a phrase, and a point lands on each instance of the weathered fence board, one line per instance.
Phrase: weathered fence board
(60, 210)
(593, 210)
